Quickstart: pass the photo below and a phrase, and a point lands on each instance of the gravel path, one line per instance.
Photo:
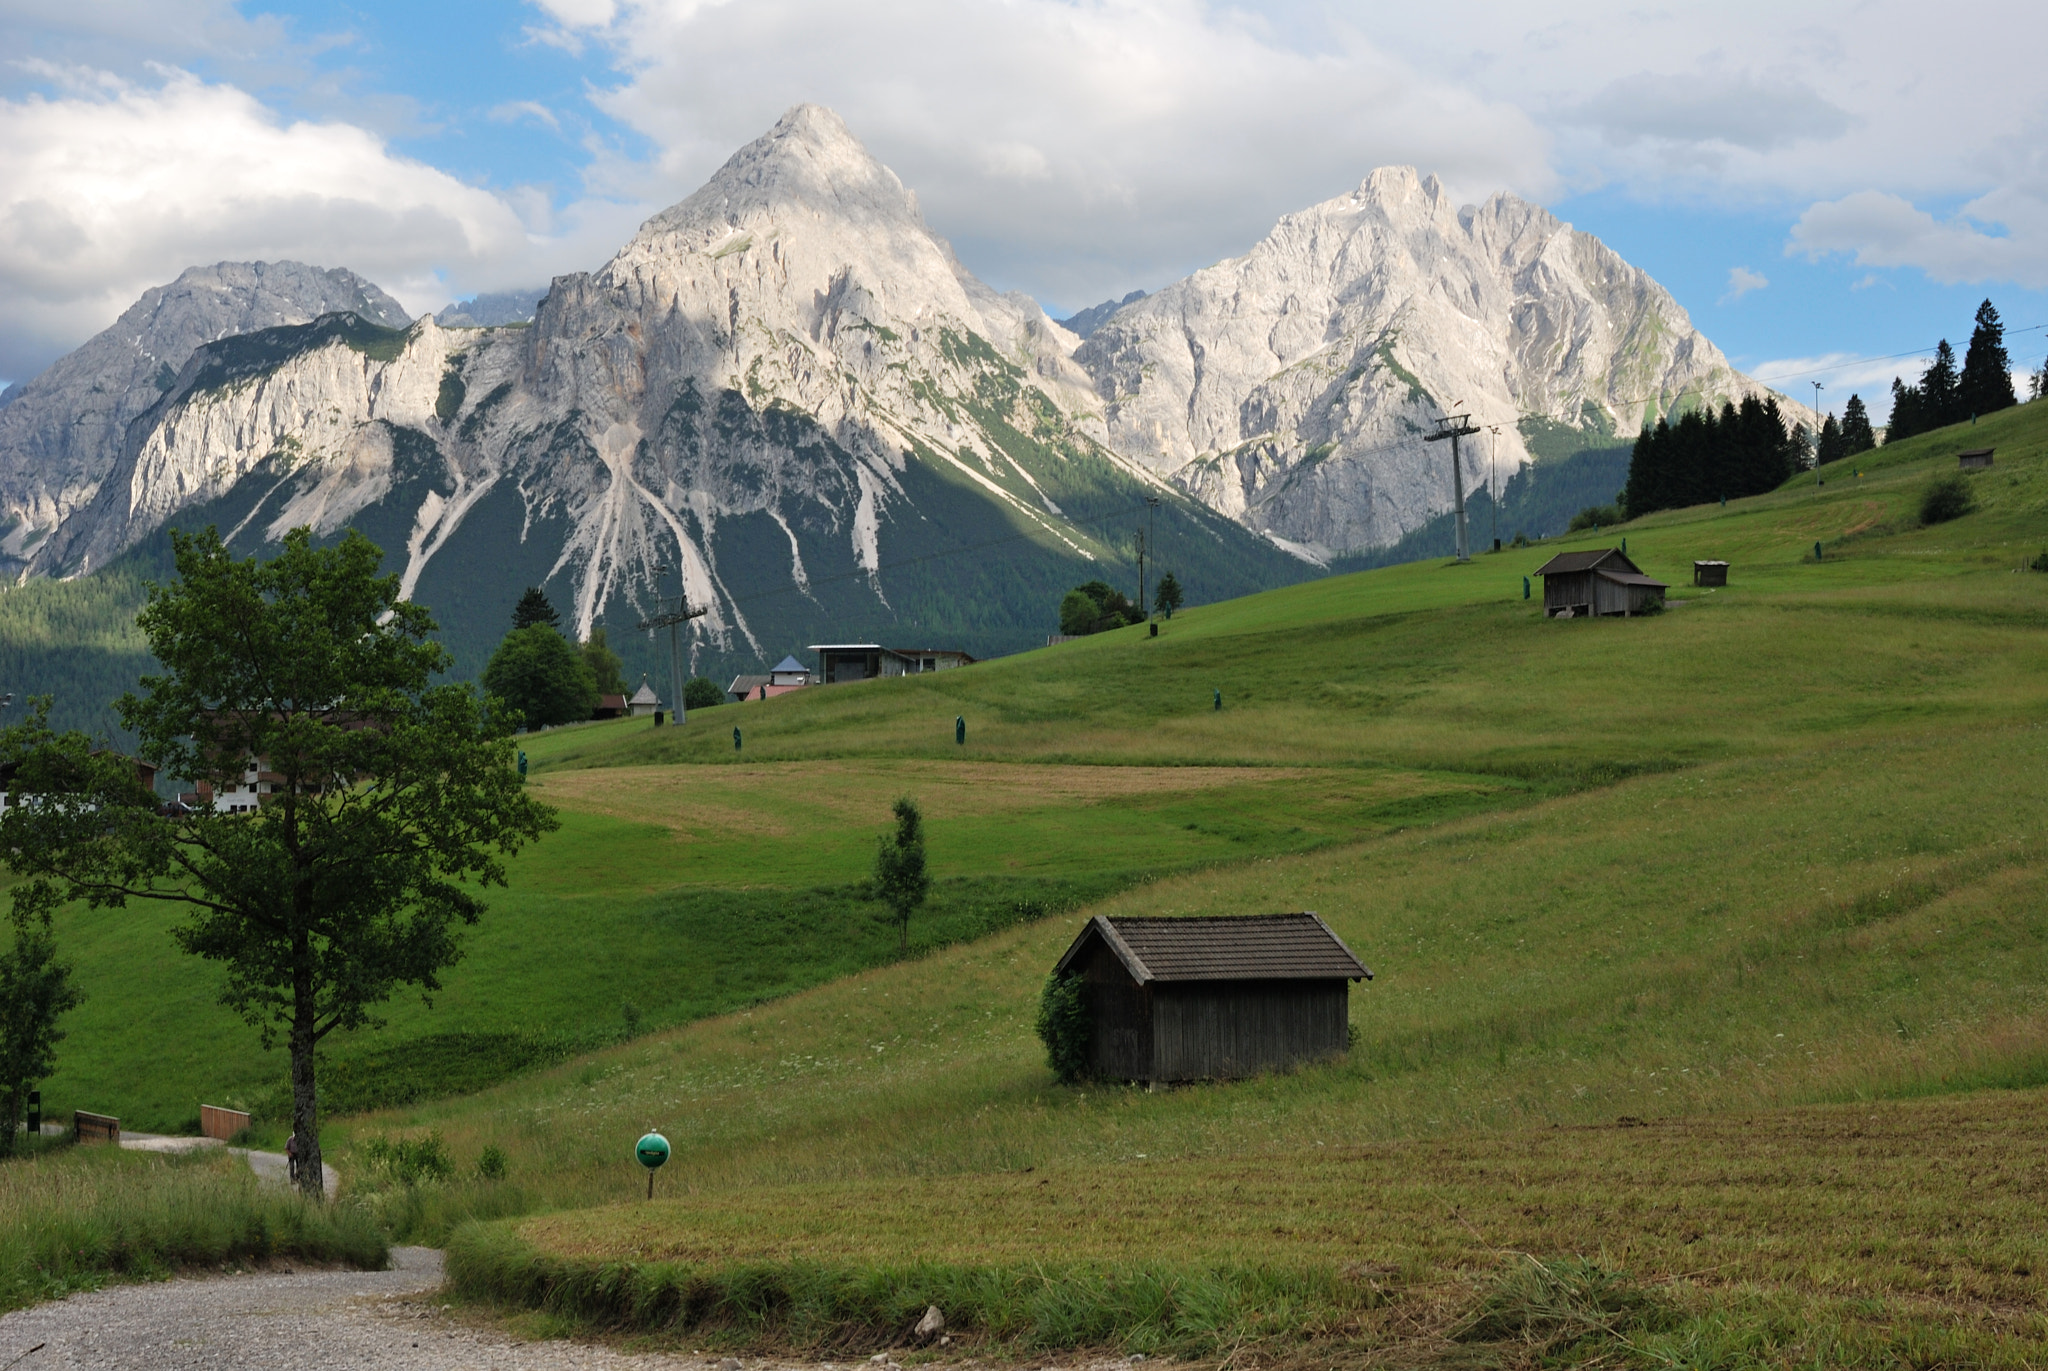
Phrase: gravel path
(270, 1166)
(337, 1320)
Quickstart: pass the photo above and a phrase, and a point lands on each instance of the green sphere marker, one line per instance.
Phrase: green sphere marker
(651, 1151)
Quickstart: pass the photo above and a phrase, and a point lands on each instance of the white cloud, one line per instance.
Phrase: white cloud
(116, 187)
(1842, 375)
(1740, 109)
(1878, 229)
(1075, 149)
(1741, 281)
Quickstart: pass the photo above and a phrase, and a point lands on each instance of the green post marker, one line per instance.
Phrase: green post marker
(1219, 699)
(735, 737)
(1525, 587)
(1624, 547)
(1724, 502)
(1816, 552)
(522, 763)
(651, 1151)
(960, 729)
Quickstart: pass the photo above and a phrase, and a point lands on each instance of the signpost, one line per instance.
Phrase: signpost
(651, 1151)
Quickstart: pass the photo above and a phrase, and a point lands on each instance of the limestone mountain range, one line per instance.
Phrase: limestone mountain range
(788, 395)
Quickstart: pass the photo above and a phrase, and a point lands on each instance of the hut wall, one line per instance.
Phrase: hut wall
(1119, 1015)
(1569, 589)
(1214, 1030)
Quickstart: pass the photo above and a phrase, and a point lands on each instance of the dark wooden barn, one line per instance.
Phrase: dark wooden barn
(1603, 581)
(1212, 998)
(1975, 459)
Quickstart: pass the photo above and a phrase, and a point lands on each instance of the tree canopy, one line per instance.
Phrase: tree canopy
(533, 608)
(1985, 385)
(901, 879)
(1703, 457)
(1857, 434)
(35, 991)
(380, 804)
(1095, 608)
(542, 677)
(1167, 598)
(605, 665)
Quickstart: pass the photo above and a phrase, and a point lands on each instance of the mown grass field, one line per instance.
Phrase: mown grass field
(1740, 870)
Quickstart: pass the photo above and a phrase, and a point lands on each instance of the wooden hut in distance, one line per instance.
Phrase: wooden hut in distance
(1603, 581)
(1211, 998)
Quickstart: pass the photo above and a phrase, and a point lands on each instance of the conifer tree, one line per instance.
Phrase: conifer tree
(1830, 448)
(1985, 386)
(533, 608)
(1908, 414)
(1940, 400)
(1857, 435)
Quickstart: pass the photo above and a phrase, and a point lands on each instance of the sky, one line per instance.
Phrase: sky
(1826, 187)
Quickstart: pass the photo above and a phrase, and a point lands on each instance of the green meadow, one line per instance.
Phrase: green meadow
(1763, 873)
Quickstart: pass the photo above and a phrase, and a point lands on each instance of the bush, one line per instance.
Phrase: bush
(2040, 563)
(1063, 1028)
(1597, 516)
(542, 675)
(1096, 608)
(408, 1161)
(491, 1164)
(701, 692)
(1948, 498)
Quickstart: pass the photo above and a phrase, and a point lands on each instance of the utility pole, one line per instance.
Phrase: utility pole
(1454, 427)
(1144, 551)
(673, 620)
(1816, 424)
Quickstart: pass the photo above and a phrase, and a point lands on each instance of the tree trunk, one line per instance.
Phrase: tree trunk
(305, 1096)
(11, 1103)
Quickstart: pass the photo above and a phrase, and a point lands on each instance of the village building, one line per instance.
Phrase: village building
(839, 663)
(609, 707)
(644, 702)
(1211, 998)
(789, 674)
(1975, 459)
(1602, 581)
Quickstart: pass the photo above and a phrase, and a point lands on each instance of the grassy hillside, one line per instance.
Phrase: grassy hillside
(1772, 850)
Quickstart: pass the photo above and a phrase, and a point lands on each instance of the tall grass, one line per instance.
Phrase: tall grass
(75, 1218)
(820, 1306)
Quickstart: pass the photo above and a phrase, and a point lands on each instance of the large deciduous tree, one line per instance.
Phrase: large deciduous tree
(378, 803)
(606, 669)
(542, 675)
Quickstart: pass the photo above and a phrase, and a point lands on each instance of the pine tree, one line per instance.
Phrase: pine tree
(1985, 386)
(1644, 494)
(1857, 435)
(1940, 401)
(1830, 448)
(533, 608)
(1908, 413)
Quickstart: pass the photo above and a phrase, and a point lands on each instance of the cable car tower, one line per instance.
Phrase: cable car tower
(1454, 427)
(673, 620)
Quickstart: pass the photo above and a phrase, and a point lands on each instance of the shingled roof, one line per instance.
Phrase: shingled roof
(1598, 559)
(1249, 947)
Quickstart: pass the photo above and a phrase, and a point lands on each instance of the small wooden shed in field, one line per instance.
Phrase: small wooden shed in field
(1603, 581)
(1710, 573)
(1211, 998)
(1975, 459)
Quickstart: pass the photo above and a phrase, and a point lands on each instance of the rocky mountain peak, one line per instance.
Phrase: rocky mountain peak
(810, 162)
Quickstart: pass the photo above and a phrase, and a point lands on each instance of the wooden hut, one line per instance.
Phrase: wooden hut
(1710, 573)
(1976, 459)
(1211, 998)
(1604, 581)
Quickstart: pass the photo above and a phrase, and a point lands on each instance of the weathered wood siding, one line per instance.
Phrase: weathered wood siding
(1120, 1015)
(1214, 1030)
(1567, 590)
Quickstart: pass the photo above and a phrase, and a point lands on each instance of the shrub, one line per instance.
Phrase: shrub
(491, 1164)
(1597, 516)
(409, 1161)
(1096, 608)
(1948, 498)
(2040, 563)
(1063, 1028)
(701, 692)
